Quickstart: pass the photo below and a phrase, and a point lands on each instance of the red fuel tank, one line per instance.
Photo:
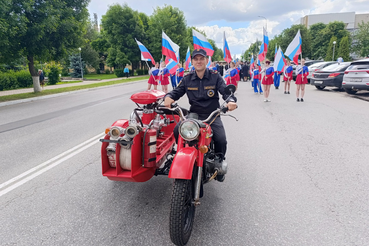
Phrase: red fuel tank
(147, 97)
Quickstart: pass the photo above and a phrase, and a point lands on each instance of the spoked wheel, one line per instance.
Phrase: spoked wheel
(182, 212)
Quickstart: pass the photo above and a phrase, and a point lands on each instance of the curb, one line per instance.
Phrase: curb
(62, 94)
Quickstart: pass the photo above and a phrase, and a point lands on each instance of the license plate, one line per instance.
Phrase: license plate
(356, 80)
(318, 82)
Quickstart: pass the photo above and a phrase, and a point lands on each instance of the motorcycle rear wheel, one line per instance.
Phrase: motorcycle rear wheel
(182, 212)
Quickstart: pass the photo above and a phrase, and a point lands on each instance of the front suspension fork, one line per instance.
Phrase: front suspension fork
(198, 187)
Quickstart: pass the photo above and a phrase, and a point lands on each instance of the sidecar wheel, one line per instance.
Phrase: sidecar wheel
(182, 212)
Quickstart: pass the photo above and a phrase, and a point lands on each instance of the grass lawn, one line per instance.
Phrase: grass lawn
(100, 76)
(67, 89)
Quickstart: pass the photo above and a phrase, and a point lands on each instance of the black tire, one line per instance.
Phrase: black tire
(319, 87)
(350, 91)
(182, 212)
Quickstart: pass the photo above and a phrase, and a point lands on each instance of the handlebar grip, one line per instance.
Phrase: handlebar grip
(224, 110)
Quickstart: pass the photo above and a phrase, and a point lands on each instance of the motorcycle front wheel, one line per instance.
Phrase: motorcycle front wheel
(182, 212)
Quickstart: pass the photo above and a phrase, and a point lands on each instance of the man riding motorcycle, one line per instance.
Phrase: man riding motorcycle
(202, 87)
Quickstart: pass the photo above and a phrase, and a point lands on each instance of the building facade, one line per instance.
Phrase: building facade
(351, 19)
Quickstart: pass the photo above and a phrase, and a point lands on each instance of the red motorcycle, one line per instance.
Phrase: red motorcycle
(135, 150)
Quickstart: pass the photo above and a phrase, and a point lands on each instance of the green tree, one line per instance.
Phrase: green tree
(218, 53)
(252, 50)
(172, 21)
(121, 26)
(329, 53)
(89, 55)
(43, 30)
(361, 37)
(317, 43)
(323, 37)
(76, 65)
(344, 49)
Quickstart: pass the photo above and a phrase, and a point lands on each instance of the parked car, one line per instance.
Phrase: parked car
(331, 75)
(307, 63)
(356, 77)
(316, 67)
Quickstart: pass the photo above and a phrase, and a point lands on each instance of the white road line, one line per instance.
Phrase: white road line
(47, 165)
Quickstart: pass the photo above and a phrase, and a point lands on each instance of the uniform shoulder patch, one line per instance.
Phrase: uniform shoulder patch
(213, 71)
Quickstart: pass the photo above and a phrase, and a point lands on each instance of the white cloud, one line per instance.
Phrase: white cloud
(216, 16)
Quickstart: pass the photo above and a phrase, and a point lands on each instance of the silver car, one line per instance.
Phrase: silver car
(316, 67)
(356, 77)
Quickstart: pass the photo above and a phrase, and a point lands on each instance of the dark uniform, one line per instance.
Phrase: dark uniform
(203, 97)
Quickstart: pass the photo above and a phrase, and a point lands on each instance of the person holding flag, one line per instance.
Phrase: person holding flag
(179, 73)
(287, 77)
(256, 76)
(231, 75)
(302, 72)
(267, 80)
(154, 77)
(164, 80)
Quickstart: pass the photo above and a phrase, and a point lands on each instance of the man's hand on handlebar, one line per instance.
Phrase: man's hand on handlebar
(231, 106)
(168, 102)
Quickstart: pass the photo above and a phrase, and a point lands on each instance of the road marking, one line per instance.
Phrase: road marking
(47, 165)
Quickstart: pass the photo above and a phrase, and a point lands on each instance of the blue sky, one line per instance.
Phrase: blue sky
(239, 18)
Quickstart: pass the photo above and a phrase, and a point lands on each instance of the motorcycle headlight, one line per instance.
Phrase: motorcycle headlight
(189, 130)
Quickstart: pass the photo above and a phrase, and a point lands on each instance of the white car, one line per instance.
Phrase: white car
(356, 77)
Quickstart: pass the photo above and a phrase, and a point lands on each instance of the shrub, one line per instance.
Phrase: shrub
(54, 75)
(24, 79)
(8, 81)
(107, 71)
(119, 72)
(65, 72)
(98, 71)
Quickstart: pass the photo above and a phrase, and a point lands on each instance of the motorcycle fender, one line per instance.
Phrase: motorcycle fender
(183, 163)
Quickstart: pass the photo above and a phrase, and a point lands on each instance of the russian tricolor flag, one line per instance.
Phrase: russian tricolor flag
(209, 63)
(171, 65)
(227, 53)
(252, 65)
(188, 59)
(279, 61)
(169, 48)
(200, 42)
(145, 54)
(264, 46)
(294, 48)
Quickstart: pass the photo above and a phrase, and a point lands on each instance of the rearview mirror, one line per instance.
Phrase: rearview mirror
(230, 89)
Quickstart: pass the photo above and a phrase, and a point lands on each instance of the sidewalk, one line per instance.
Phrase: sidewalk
(50, 87)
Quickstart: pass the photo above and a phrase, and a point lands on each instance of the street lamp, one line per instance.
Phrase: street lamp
(266, 20)
(334, 45)
(80, 61)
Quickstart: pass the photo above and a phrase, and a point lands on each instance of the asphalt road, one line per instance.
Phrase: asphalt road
(298, 174)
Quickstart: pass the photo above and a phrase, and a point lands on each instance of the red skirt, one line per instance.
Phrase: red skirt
(153, 79)
(268, 80)
(299, 80)
(164, 80)
(231, 81)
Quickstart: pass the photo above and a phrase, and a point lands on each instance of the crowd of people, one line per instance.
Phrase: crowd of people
(262, 77)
